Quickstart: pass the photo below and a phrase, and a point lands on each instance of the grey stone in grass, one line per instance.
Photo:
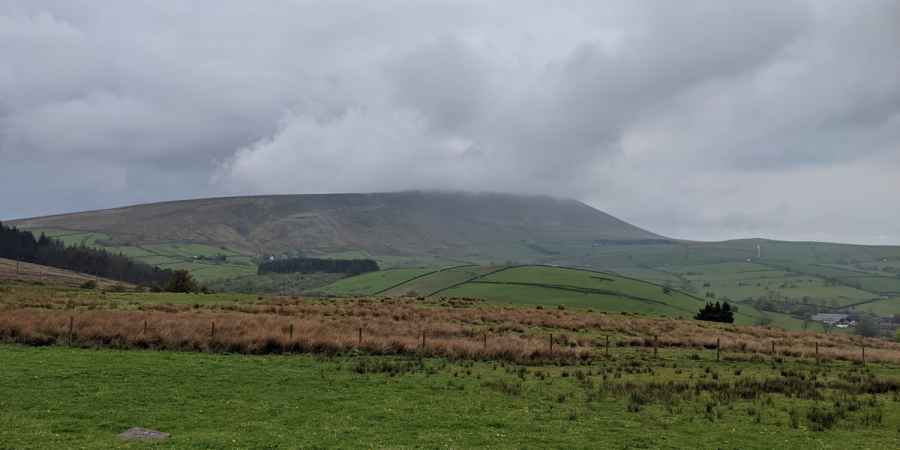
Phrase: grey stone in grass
(143, 434)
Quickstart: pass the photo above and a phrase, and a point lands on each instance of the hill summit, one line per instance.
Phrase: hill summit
(445, 225)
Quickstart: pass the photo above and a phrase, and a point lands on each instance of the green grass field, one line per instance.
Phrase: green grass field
(189, 256)
(739, 281)
(535, 295)
(30, 294)
(547, 286)
(56, 397)
(831, 277)
(438, 281)
(626, 294)
(370, 283)
(625, 396)
(276, 283)
(881, 307)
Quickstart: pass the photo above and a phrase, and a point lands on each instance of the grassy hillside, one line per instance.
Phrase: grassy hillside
(275, 283)
(221, 239)
(440, 281)
(546, 286)
(206, 263)
(469, 240)
(478, 227)
(37, 274)
(825, 288)
(374, 282)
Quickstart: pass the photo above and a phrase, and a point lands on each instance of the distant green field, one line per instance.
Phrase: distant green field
(825, 285)
(72, 237)
(625, 294)
(861, 280)
(882, 307)
(602, 283)
(439, 281)
(188, 256)
(653, 275)
(370, 283)
(18, 294)
(826, 276)
(547, 286)
(276, 283)
(535, 295)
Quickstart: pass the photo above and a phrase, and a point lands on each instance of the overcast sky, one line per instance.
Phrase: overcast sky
(694, 119)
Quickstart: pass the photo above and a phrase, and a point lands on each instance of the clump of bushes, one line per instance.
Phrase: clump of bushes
(716, 312)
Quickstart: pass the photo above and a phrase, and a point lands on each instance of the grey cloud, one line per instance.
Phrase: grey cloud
(444, 81)
(692, 119)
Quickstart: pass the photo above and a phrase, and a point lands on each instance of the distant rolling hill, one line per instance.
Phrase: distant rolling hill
(222, 238)
(404, 225)
(410, 228)
(447, 238)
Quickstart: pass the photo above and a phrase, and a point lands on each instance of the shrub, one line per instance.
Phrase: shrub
(716, 312)
(794, 418)
(181, 281)
(637, 400)
(868, 326)
(820, 419)
(89, 284)
(514, 389)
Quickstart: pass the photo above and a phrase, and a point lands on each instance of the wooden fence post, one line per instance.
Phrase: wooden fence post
(607, 345)
(864, 354)
(423, 339)
(655, 344)
(718, 347)
(212, 329)
(71, 329)
(773, 348)
(551, 342)
(291, 331)
(145, 326)
(817, 352)
(359, 339)
(484, 340)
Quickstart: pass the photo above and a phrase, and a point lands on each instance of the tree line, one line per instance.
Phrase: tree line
(311, 265)
(22, 245)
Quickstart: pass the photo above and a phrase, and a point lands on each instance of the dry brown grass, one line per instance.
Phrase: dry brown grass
(268, 333)
(35, 273)
(455, 328)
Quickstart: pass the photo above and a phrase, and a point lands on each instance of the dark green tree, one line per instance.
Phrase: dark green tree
(181, 281)
(23, 246)
(716, 312)
(312, 265)
(868, 326)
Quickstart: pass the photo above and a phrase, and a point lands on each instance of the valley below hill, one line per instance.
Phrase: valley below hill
(222, 241)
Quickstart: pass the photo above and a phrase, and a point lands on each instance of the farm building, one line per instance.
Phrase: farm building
(830, 319)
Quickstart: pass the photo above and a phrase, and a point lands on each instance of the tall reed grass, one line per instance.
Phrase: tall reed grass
(461, 328)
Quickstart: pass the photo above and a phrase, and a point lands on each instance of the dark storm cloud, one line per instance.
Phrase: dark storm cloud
(702, 119)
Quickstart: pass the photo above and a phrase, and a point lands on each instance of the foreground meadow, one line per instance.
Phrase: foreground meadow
(257, 372)
(57, 397)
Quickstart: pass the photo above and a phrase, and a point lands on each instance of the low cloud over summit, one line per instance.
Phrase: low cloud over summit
(700, 120)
